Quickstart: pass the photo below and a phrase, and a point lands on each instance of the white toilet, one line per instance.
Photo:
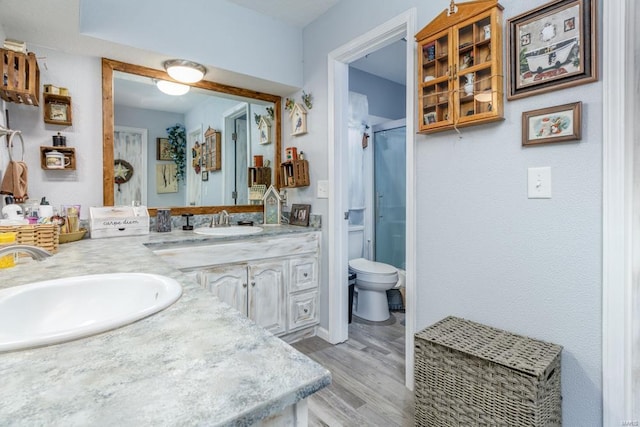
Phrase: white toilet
(373, 279)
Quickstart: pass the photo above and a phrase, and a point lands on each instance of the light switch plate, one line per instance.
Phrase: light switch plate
(323, 189)
(539, 183)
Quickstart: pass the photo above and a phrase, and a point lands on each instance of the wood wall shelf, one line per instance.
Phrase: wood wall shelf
(295, 173)
(69, 153)
(259, 176)
(460, 68)
(57, 109)
(20, 77)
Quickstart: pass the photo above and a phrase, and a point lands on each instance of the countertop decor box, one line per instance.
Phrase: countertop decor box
(469, 374)
(113, 221)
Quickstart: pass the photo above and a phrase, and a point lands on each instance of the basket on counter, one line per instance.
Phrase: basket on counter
(45, 236)
(469, 374)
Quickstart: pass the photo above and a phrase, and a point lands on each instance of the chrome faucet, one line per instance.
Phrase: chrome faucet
(223, 218)
(35, 252)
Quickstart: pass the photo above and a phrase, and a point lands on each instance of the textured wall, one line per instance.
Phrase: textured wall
(485, 251)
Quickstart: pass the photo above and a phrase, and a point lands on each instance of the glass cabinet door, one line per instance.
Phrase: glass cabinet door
(436, 81)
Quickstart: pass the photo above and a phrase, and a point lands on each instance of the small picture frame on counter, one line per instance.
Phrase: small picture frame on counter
(300, 215)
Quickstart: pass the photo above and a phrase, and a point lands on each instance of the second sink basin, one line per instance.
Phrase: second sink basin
(55, 311)
(233, 230)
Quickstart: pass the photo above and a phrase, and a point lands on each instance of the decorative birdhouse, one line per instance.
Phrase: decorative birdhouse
(298, 120)
(264, 130)
(272, 205)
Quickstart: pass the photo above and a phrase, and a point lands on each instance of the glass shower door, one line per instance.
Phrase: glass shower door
(390, 192)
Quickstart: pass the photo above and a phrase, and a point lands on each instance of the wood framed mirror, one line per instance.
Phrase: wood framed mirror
(111, 68)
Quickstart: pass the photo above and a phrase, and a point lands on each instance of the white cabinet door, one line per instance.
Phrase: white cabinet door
(303, 310)
(228, 283)
(267, 305)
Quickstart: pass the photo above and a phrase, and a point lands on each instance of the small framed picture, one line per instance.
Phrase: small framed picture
(430, 118)
(163, 149)
(58, 112)
(553, 124)
(300, 215)
(205, 175)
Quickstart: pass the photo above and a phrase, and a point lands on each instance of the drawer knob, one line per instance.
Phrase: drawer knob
(253, 284)
(244, 285)
(306, 310)
(305, 274)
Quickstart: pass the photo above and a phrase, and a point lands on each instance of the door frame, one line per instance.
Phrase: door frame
(403, 25)
(618, 53)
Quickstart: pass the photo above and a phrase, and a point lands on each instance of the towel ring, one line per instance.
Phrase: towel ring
(10, 144)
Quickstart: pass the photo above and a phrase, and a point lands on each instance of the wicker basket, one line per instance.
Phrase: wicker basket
(44, 236)
(468, 374)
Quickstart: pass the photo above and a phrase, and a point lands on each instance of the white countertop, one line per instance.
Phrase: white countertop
(198, 362)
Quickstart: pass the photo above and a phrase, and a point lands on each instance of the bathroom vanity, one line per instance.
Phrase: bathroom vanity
(199, 361)
(272, 279)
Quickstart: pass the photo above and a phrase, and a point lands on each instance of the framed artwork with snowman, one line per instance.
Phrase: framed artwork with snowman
(298, 117)
(553, 124)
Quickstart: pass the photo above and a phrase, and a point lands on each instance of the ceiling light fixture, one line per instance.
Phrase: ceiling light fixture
(172, 88)
(184, 71)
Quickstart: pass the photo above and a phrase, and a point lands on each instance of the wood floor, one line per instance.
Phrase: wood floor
(367, 387)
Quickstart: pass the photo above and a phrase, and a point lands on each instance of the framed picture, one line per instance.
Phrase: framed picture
(212, 155)
(298, 117)
(553, 124)
(552, 47)
(163, 149)
(430, 118)
(166, 181)
(205, 175)
(300, 215)
(58, 112)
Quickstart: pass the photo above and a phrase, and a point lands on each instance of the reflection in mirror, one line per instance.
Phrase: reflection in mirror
(221, 126)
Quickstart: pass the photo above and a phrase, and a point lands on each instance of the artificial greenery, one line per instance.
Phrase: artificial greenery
(178, 145)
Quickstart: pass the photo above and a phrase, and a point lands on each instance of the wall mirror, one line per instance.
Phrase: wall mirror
(218, 120)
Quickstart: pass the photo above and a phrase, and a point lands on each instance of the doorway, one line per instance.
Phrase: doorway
(402, 26)
(236, 156)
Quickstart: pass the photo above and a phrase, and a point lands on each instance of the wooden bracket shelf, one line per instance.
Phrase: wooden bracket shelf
(57, 109)
(295, 173)
(20, 77)
(69, 153)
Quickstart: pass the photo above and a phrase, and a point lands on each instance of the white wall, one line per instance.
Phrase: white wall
(485, 251)
(82, 76)
(216, 33)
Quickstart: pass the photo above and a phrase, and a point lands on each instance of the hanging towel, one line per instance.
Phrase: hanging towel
(15, 180)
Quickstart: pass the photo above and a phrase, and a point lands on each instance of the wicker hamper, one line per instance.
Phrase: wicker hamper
(469, 374)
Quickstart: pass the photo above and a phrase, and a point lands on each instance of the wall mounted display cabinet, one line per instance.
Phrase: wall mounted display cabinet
(460, 67)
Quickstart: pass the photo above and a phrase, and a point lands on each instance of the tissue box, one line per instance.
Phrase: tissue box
(113, 221)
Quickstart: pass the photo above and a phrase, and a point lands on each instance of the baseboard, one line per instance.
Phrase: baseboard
(323, 333)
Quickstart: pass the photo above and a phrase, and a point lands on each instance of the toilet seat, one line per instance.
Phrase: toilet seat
(372, 271)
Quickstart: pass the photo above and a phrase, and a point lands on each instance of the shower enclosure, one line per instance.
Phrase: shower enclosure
(389, 140)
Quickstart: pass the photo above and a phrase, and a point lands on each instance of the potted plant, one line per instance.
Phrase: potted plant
(178, 144)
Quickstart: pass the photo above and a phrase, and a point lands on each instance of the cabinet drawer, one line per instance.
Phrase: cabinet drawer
(304, 273)
(303, 310)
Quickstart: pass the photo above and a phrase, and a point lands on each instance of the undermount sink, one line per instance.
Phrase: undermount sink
(232, 230)
(55, 311)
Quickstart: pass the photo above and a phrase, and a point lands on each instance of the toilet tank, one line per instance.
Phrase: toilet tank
(356, 241)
